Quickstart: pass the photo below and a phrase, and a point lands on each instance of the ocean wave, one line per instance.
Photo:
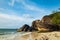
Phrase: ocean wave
(9, 36)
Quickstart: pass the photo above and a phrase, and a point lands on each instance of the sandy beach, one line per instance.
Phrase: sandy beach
(39, 36)
(32, 36)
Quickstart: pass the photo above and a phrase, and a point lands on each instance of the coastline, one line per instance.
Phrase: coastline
(39, 36)
(55, 35)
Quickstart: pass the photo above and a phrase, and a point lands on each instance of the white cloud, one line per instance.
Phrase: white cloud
(32, 7)
(13, 21)
(27, 16)
(12, 2)
(27, 6)
(13, 17)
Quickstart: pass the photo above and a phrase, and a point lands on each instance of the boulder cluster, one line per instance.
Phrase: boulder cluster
(40, 25)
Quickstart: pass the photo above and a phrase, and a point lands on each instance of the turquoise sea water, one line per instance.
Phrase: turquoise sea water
(11, 34)
(7, 31)
(8, 34)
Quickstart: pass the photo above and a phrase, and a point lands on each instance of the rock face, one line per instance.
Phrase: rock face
(36, 24)
(41, 26)
(26, 28)
(46, 20)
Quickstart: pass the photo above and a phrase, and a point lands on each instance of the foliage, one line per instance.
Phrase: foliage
(55, 17)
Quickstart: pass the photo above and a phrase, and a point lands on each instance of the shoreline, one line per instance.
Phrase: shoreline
(33, 36)
(39, 36)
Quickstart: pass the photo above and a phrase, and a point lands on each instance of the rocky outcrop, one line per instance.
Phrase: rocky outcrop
(26, 28)
(42, 25)
(36, 24)
(46, 19)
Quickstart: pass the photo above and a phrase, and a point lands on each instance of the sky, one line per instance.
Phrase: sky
(15, 13)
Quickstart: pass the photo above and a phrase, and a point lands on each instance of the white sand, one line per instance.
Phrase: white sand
(39, 36)
(33, 36)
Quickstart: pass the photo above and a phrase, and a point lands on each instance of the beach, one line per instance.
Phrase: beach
(32, 36)
(39, 36)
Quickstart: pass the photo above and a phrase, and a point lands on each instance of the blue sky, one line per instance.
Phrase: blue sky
(15, 13)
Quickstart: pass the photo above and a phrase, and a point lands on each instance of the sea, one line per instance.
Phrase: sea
(9, 34)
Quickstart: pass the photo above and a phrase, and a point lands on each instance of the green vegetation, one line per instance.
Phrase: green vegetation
(55, 16)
